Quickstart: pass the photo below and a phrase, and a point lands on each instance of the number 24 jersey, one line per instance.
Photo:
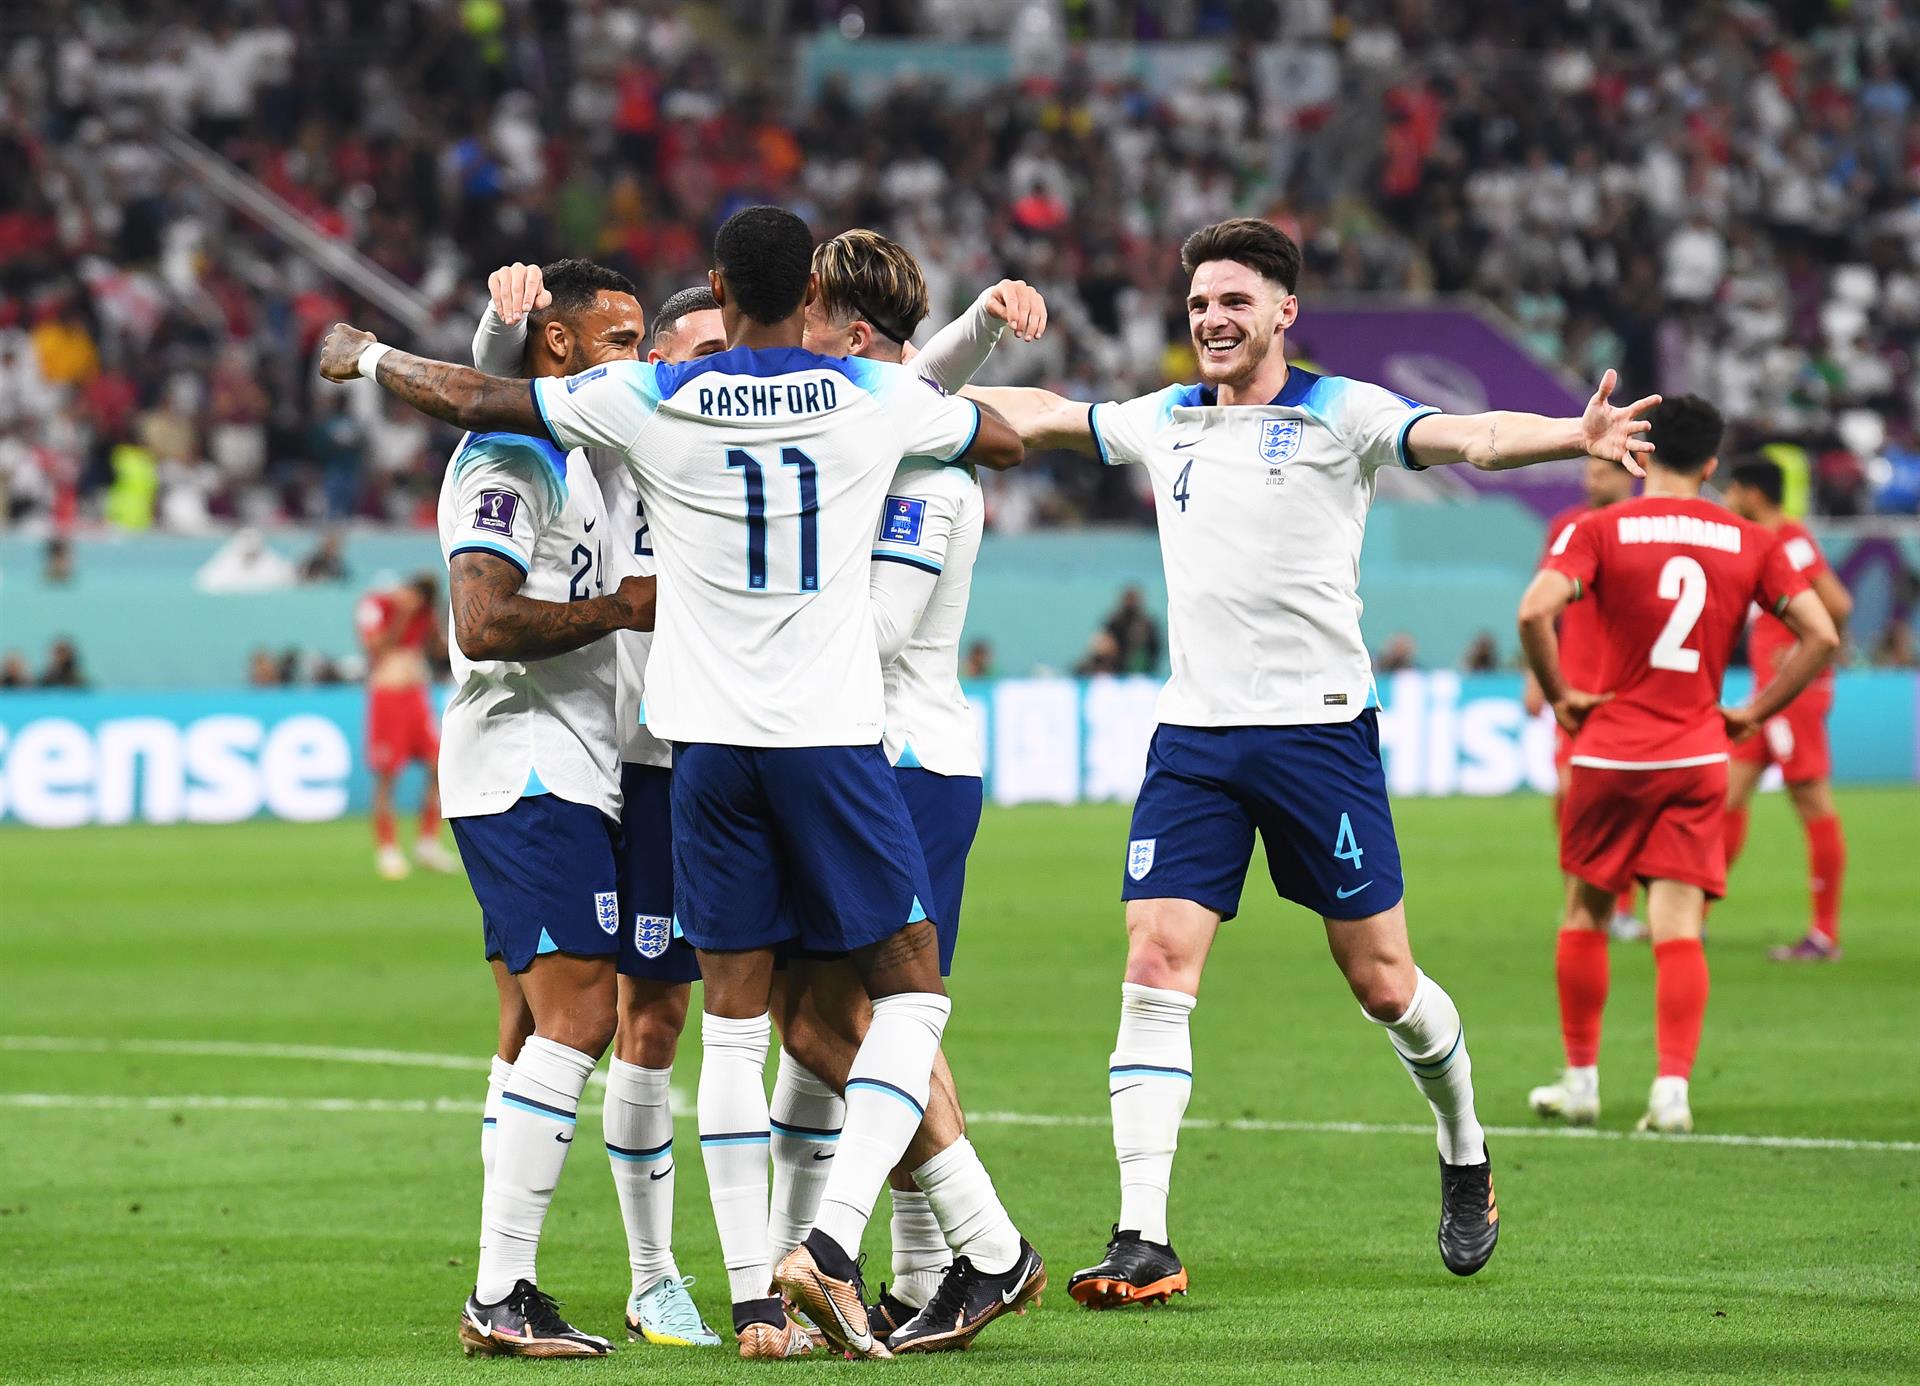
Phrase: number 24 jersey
(1672, 579)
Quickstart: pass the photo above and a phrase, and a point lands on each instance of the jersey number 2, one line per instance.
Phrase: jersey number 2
(756, 482)
(1684, 583)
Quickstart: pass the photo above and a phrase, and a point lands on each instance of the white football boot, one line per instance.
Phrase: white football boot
(1574, 1098)
(1667, 1108)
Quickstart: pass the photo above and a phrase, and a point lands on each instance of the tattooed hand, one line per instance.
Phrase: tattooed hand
(340, 352)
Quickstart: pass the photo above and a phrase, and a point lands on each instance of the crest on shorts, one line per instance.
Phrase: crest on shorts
(1279, 440)
(651, 934)
(606, 911)
(1140, 857)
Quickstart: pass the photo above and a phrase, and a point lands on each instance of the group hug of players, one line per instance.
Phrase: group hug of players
(776, 790)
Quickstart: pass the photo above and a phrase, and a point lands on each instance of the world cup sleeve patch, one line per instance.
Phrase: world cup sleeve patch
(496, 511)
(651, 934)
(606, 911)
(904, 518)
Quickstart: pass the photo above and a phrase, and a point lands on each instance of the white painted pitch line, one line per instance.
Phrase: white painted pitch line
(683, 1105)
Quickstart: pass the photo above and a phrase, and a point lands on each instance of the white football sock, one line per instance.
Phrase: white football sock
(970, 1212)
(531, 1141)
(920, 1251)
(733, 1145)
(1149, 1079)
(1431, 1043)
(886, 1098)
(497, 1075)
(806, 1116)
(638, 1124)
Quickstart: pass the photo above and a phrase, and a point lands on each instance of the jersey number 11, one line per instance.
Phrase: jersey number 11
(756, 480)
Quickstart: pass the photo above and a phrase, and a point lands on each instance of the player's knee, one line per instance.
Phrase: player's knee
(588, 1028)
(1383, 993)
(648, 1037)
(822, 1050)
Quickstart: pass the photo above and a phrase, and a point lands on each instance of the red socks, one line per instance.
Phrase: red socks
(1736, 834)
(383, 827)
(1623, 902)
(1826, 866)
(429, 824)
(1581, 965)
(1679, 1003)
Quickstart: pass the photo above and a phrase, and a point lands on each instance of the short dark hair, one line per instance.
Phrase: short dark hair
(1685, 432)
(1259, 245)
(696, 298)
(1763, 476)
(765, 255)
(575, 284)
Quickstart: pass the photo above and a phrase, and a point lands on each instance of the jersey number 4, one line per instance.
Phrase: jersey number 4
(1684, 583)
(756, 481)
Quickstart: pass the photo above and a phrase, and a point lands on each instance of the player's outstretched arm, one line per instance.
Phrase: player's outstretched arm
(1044, 420)
(996, 445)
(1504, 439)
(1548, 596)
(458, 395)
(1816, 641)
(491, 620)
(955, 354)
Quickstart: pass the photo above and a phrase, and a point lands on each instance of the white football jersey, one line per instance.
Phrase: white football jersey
(546, 725)
(498, 349)
(931, 521)
(1262, 509)
(761, 472)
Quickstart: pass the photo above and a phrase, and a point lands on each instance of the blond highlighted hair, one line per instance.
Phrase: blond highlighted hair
(864, 275)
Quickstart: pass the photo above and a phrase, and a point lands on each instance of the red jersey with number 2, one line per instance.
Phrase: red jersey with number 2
(1671, 580)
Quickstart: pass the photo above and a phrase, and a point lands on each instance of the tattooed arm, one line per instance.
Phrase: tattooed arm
(458, 395)
(491, 620)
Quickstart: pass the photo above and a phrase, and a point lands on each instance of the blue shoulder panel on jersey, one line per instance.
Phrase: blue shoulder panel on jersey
(1181, 397)
(762, 362)
(477, 446)
(1299, 386)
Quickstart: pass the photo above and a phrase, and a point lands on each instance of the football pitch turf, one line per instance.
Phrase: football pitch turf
(240, 1083)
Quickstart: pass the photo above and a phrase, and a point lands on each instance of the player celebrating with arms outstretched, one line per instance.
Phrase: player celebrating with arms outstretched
(1262, 475)
(1672, 575)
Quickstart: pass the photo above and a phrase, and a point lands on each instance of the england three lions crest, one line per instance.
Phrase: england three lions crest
(1140, 857)
(651, 934)
(1280, 440)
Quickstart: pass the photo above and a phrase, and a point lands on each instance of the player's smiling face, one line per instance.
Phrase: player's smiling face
(1237, 317)
(607, 331)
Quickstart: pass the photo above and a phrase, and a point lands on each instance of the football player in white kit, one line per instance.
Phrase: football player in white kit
(656, 968)
(958, 1260)
(1262, 475)
(762, 469)
(531, 788)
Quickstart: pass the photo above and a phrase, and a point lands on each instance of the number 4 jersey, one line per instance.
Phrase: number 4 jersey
(761, 472)
(1672, 579)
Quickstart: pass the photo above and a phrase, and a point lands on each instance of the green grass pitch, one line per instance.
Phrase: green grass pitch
(268, 1237)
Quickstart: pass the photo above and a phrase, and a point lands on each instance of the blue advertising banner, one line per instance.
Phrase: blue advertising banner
(213, 756)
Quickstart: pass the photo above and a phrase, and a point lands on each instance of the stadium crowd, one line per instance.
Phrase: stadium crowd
(1722, 199)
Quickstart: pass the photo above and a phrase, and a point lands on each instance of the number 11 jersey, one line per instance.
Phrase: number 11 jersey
(1671, 578)
(761, 472)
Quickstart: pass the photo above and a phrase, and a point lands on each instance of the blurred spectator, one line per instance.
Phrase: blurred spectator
(337, 445)
(1397, 656)
(57, 569)
(63, 667)
(245, 564)
(327, 672)
(325, 563)
(979, 661)
(14, 672)
(287, 668)
(1482, 656)
(262, 670)
(1136, 638)
(1102, 656)
(1896, 647)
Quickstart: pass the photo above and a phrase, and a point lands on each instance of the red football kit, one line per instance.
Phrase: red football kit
(1579, 631)
(400, 726)
(1796, 739)
(1671, 580)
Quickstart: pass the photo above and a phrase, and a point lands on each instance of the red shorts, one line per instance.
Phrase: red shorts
(1795, 740)
(1620, 826)
(1562, 748)
(400, 729)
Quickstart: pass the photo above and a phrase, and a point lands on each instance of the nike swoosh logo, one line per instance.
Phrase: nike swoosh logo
(662, 1174)
(588, 526)
(1128, 1088)
(1191, 444)
(1343, 894)
(1008, 1296)
(823, 1154)
(563, 1137)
